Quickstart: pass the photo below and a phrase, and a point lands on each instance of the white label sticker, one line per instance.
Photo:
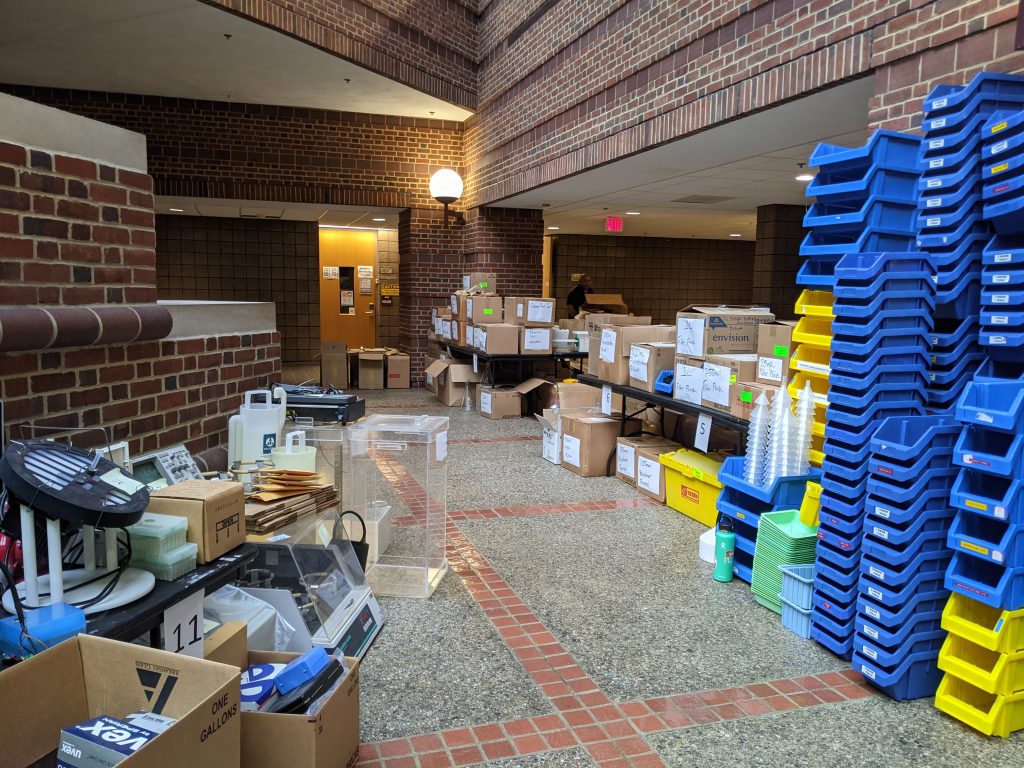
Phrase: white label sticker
(871, 653)
(878, 574)
(769, 368)
(936, 143)
(689, 384)
(813, 367)
(881, 533)
(999, 146)
(606, 400)
(874, 613)
(690, 337)
(870, 632)
(984, 418)
(455, 304)
(1002, 279)
(934, 202)
(519, 309)
(481, 339)
(441, 446)
(1003, 258)
(625, 460)
(883, 512)
(867, 671)
(469, 307)
(571, 450)
(940, 104)
(551, 450)
(935, 163)
(1000, 320)
(540, 311)
(607, 351)
(446, 329)
(638, 359)
(648, 475)
(937, 123)
(476, 365)
(934, 221)
(875, 593)
(703, 433)
(183, 626)
(485, 402)
(716, 383)
(1001, 298)
(934, 183)
(537, 338)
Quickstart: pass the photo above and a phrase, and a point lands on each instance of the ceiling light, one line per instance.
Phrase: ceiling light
(805, 177)
(735, 234)
(176, 210)
(379, 219)
(632, 213)
(552, 227)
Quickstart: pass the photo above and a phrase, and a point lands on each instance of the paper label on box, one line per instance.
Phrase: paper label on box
(716, 383)
(469, 307)
(625, 460)
(455, 304)
(519, 309)
(479, 337)
(537, 338)
(688, 385)
(571, 450)
(441, 446)
(476, 364)
(485, 398)
(430, 378)
(606, 400)
(607, 351)
(540, 311)
(703, 433)
(551, 444)
(769, 368)
(690, 337)
(183, 626)
(648, 475)
(638, 359)
(446, 328)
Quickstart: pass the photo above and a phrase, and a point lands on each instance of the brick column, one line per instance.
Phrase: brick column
(777, 257)
(508, 242)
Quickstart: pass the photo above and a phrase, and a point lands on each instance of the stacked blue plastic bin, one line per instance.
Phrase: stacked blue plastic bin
(883, 309)
(745, 503)
(865, 201)
(952, 226)
(901, 592)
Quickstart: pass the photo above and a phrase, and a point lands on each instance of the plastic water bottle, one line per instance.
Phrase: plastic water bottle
(725, 547)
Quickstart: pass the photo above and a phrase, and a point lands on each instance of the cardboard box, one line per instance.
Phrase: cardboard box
(688, 380)
(334, 364)
(481, 310)
(774, 349)
(702, 331)
(446, 328)
(429, 380)
(530, 312)
(589, 440)
(741, 367)
(626, 453)
(215, 513)
(480, 281)
(457, 303)
(88, 676)
(607, 302)
(646, 361)
(450, 380)
(227, 644)
(498, 339)
(615, 343)
(326, 740)
(398, 370)
(506, 402)
(650, 473)
(370, 368)
(460, 333)
(535, 341)
(595, 322)
(572, 325)
(744, 397)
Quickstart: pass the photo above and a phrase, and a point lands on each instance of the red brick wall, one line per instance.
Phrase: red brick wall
(508, 242)
(154, 394)
(73, 231)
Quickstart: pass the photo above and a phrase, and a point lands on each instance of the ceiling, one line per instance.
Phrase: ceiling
(179, 48)
(326, 215)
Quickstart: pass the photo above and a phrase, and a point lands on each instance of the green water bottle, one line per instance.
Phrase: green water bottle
(725, 546)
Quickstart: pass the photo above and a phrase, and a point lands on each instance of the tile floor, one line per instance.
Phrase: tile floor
(577, 627)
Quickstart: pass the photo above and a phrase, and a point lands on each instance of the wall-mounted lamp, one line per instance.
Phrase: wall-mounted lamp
(446, 187)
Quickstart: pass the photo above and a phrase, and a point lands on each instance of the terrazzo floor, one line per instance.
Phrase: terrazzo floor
(577, 627)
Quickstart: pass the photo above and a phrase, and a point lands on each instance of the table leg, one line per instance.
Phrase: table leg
(154, 636)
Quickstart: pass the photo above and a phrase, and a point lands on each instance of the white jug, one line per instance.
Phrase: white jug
(256, 430)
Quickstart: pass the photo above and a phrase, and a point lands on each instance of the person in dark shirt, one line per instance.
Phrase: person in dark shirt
(578, 295)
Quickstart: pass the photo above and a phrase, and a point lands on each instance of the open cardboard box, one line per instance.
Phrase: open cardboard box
(87, 676)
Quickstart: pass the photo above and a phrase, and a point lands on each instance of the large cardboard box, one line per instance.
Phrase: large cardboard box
(626, 453)
(594, 322)
(702, 331)
(531, 312)
(480, 281)
(215, 513)
(460, 333)
(744, 397)
(647, 360)
(88, 676)
(506, 402)
(451, 379)
(498, 339)
(398, 370)
(741, 367)
(588, 442)
(615, 344)
(334, 364)
(370, 368)
(328, 739)
(688, 380)
(481, 310)
(607, 302)
(650, 473)
(458, 305)
(535, 341)
(429, 380)
(227, 644)
(774, 349)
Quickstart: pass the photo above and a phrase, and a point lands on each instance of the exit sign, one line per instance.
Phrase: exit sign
(613, 224)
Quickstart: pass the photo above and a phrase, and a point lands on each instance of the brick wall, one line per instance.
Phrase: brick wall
(656, 276)
(780, 231)
(388, 315)
(153, 394)
(247, 260)
(73, 231)
(508, 242)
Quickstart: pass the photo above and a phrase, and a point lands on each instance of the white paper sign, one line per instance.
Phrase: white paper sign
(446, 328)
(183, 626)
(469, 308)
(625, 460)
(539, 311)
(441, 446)
(430, 378)
(331, 273)
(365, 270)
(690, 336)
(606, 400)
(716, 383)
(519, 309)
(688, 385)
(638, 359)
(550, 451)
(769, 368)
(485, 400)
(648, 475)
(537, 338)
(703, 433)
(571, 450)
(607, 352)
(481, 339)
(476, 368)
(455, 304)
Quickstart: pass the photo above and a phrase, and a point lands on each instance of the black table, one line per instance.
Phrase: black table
(487, 375)
(146, 615)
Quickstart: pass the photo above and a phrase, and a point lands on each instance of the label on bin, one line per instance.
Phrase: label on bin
(997, 556)
(883, 512)
(698, 475)
(872, 633)
(999, 127)
(996, 340)
(1000, 146)
(1000, 513)
(976, 505)
(880, 532)
(1000, 320)
(937, 163)
(998, 168)
(939, 122)
(984, 418)
(1001, 279)
(936, 143)
(974, 548)
(934, 183)
(1003, 258)
(874, 613)
(877, 573)
(934, 221)
(871, 653)
(934, 202)
(875, 593)
(939, 104)
(1001, 298)
(867, 671)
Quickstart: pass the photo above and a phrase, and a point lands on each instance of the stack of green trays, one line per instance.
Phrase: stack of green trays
(781, 540)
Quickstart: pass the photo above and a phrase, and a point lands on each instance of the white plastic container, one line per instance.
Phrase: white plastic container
(255, 431)
(294, 454)
(155, 535)
(582, 341)
(706, 548)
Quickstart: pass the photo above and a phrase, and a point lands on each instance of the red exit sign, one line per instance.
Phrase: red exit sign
(613, 224)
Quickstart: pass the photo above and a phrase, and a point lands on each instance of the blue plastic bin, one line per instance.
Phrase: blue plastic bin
(986, 582)
(989, 539)
(1000, 297)
(902, 638)
(841, 645)
(1000, 370)
(841, 613)
(796, 619)
(837, 584)
(783, 493)
(884, 148)
(837, 216)
(1004, 250)
(860, 185)
(897, 574)
(915, 677)
(856, 418)
(887, 594)
(798, 585)
(971, 227)
(993, 404)
(934, 502)
(905, 552)
(892, 616)
(818, 243)
(1002, 337)
(946, 100)
(1000, 498)
(903, 535)
(951, 178)
(1010, 277)
(842, 560)
(991, 451)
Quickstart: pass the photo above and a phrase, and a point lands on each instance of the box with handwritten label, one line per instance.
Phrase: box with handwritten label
(646, 361)
(616, 343)
(702, 331)
(721, 373)
(688, 380)
(774, 348)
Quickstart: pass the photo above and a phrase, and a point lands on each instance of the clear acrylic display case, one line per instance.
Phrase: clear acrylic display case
(329, 441)
(400, 462)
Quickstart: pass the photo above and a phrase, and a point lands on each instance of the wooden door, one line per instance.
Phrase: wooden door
(348, 287)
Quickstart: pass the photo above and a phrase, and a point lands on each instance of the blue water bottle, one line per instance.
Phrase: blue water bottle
(725, 547)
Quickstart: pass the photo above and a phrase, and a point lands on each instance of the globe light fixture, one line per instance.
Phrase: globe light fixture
(446, 187)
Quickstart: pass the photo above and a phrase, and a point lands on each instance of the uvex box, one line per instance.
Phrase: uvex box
(484, 309)
(647, 360)
(744, 397)
(480, 281)
(702, 331)
(450, 379)
(215, 512)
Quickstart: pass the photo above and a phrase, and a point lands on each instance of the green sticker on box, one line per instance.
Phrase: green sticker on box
(781, 351)
(488, 311)
(746, 397)
(484, 283)
(732, 378)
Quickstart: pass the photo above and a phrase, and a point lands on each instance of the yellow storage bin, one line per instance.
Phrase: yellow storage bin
(820, 389)
(816, 331)
(811, 504)
(818, 430)
(1000, 631)
(812, 361)
(692, 485)
(815, 304)
(999, 673)
(986, 712)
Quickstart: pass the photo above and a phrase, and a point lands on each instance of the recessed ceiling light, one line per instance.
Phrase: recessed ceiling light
(380, 219)
(735, 234)
(552, 227)
(805, 177)
(632, 213)
(176, 210)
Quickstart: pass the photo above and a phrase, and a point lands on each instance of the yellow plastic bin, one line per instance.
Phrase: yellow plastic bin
(998, 673)
(815, 304)
(812, 361)
(816, 331)
(999, 631)
(986, 712)
(810, 507)
(692, 485)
